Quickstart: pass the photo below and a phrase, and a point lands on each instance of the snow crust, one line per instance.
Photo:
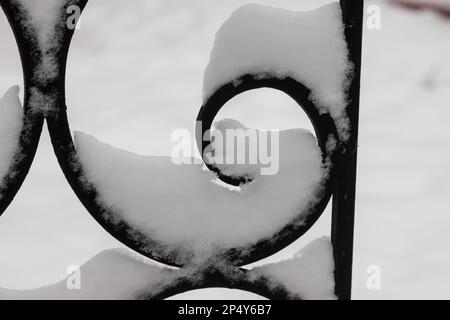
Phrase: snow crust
(269, 42)
(41, 21)
(43, 15)
(309, 275)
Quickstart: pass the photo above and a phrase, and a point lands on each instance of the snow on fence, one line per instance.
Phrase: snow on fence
(164, 212)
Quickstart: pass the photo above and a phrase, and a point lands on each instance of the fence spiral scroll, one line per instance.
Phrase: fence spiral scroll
(340, 184)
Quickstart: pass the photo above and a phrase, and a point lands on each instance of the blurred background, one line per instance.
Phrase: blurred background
(135, 74)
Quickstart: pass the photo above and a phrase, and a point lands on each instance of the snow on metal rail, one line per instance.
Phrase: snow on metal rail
(44, 62)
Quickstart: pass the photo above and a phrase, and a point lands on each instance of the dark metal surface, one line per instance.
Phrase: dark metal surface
(344, 195)
(32, 123)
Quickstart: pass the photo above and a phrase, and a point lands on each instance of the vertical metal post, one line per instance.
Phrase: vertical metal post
(344, 195)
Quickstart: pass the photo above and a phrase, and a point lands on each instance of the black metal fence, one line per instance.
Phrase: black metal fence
(340, 186)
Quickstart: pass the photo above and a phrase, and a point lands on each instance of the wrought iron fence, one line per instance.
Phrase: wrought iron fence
(340, 186)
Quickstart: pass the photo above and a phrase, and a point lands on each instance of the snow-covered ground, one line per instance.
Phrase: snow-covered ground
(135, 75)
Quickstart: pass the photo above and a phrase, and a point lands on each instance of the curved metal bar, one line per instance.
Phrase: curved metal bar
(323, 124)
(59, 130)
(238, 279)
(324, 127)
(65, 151)
(32, 122)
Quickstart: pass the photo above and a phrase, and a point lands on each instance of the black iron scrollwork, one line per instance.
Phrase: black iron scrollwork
(340, 184)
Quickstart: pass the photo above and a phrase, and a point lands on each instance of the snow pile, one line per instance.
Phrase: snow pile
(10, 127)
(184, 207)
(118, 274)
(309, 275)
(269, 42)
(111, 275)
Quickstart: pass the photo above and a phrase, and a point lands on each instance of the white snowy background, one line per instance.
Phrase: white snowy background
(135, 74)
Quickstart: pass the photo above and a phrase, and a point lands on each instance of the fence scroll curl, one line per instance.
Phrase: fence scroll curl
(340, 184)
